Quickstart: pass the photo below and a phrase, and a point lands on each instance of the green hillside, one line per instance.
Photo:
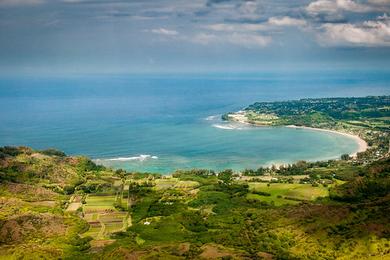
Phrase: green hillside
(54, 206)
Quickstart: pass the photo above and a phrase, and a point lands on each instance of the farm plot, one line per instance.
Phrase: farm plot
(102, 203)
(164, 184)
(94, 229)
(74, 203)
(285, 193)
(103, 218)
(74, 206)
(186, 184)
(113, 222)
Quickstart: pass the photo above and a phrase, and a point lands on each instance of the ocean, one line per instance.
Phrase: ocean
(160, 122)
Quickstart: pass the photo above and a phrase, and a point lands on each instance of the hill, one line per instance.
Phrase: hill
(56, 206)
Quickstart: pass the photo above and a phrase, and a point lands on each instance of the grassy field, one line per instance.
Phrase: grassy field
(99, 203)
(163, 184)
(285, 193)
(161, 229)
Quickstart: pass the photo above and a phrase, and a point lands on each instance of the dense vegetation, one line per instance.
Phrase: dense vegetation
(364, 108)
(54, 206)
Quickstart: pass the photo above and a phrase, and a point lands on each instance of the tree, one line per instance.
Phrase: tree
(226, 176)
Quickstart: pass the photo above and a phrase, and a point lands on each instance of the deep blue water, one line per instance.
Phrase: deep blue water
(165, 116)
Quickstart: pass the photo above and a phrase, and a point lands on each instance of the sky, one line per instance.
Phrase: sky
(118, 36)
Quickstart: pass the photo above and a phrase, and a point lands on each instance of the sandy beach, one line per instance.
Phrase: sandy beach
(240, 117)
(362, 144)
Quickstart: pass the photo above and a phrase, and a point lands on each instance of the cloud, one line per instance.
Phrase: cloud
(373, 33)
(334, 6)
(351, 6)
(286, 21)
(235, 27)
(247, 40)
(379, 2)
(322, 6)
(163, 31)
(219, 2)
(247, 28)
(204, 38)
(20, 2)
(245, 34)
(252, 27)
(235, 10)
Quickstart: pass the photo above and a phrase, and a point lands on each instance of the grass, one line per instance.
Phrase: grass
(139, 240)
(280, 192)
(114, 227)
(99, 203)
(93, 231)
(100, 200)
(186, 184)
(166, 229)
(163, 184)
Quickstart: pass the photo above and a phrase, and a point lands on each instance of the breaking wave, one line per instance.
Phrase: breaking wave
(229, 126)
(141, 158)
(212, 118)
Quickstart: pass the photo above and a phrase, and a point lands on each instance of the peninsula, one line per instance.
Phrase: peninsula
(365, 119)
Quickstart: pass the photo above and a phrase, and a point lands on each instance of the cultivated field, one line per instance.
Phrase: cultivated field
(286, 193)
(102, 216)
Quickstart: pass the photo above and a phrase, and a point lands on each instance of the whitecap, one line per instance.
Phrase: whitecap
(211, 118)
(141, 158)
(226, 127)
(229, 126)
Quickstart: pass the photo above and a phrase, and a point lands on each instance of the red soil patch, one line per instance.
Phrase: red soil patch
(213, 252)
(30, 192)
(19, 228)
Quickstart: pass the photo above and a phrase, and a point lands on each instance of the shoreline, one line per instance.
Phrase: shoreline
(362, 144)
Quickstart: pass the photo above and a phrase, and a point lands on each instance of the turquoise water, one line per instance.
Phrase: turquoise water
(161, 123)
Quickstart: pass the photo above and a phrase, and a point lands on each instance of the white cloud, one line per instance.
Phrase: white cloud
(369, 33)
(204, 38)
(333, 6)
(286, 21)
(350, 5)
(245, 34)
(247, 40)
(322, 6)
(223, 27)
(252, 27)
(163, 31)
(20, 2)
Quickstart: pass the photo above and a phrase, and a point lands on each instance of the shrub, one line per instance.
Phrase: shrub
(9, 151)
(193, 221)
(262, 193)
(53, 152)
(69, 189)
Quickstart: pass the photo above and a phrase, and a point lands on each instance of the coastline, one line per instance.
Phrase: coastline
(241, 118)
(362, 144)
